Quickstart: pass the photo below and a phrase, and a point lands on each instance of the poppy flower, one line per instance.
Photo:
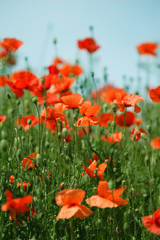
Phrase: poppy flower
(51, 114)
(90, 170)
(12, 178)
(147, 48)
(68, 70)
(155, 143)
(81, 132)
(72, 101)
(10, 44)
(126, 120)
(2, 81)
(155, 94)
(135, 134)
(24, 185)
(27, 163)
(70, 200)
(16, 205)
(88, 44)
(110, 92)
(62, 84)
(129, 100)
(106, 198)
(24, 121)
(2, 118)
(105, 118)
(89, 114)
(114, 137)
(152, 222)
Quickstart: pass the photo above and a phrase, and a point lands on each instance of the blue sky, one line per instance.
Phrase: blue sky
(119, 26)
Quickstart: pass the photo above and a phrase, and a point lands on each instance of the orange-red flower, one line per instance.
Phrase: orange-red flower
(126, 120)
(89, 114)
(106, 198)
(110, 93)
(72, 101)
(52, 114)
(16, 205)
(129, 100)
(24, 185)
(155, 94)
(90, 170)
(152, 222)
(135, 134)
(89, 44)
(155, 143)
(2, 81)
(2, 118)
(147, 48)
(62, 84)
(115, 137)
(105, 118)
(70, 200)
(27, 163)
(10, 44)
(24, 121)
(12, 177)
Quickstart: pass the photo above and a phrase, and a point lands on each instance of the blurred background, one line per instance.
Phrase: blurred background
(118, 27)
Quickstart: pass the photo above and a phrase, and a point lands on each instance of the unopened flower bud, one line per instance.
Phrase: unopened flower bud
(4, 145)
(8, 95)
(111, 184)
(65, 132)
(29, 121)
(34, 100)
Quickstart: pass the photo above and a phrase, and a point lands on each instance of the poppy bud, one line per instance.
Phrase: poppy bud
(42, 80)
(81, 86)
(23, 138)
(8, 95)
(4, 145)
(114, 169)
(92, 74)
(19, 127)
(34, 100)
(20, 116)
(111, 184)
(18, 102)
(47, 145)
(148, 127)
(19, 154)
(113, 124)
(105, 107)
(114, 107)
(4, 134)
(65, 132)
(45, 103)
(29, 121)
(125, 227)
(54, 40)
(59, 135)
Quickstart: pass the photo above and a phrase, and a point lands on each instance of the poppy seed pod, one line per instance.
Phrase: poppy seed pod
(29, 121)
(8, 95)
(34, 100)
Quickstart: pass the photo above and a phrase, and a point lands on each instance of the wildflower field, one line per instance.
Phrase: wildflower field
(78, 161)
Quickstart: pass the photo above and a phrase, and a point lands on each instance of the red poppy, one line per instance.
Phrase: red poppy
(105, 118)
(126, 120)
(106, 198)
(16, 205)
(129, 100)
(24, 121)
(70, 200)
(115, 137)
(62, 84)
(155, 143)
(2, 118)
(89, 114)
(81, 132)
(27, 163)
(152, 222)
(148, 48)
(89, 44)
(110, 93)
(52, 114)
(12, 178)
(135, 134)
(68, 69)
(155, 94)
(90, 170)
(72, 101)
(24, 185)
(10, 44)
(3, 81)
